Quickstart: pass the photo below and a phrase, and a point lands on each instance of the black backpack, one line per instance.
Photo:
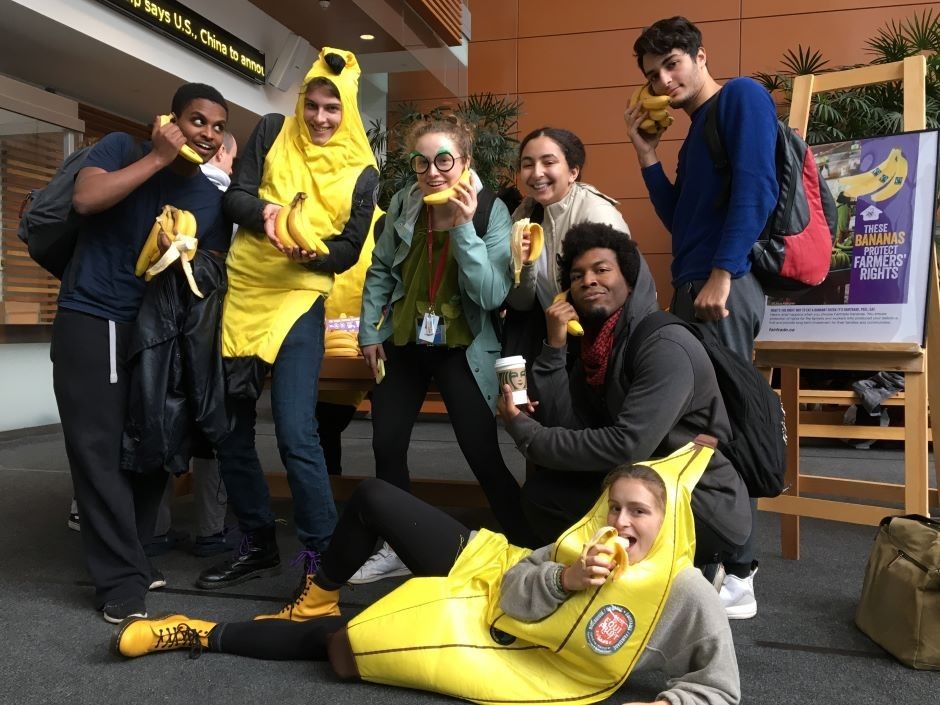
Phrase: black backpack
(794, 250)
(758, 445)
(48, 224)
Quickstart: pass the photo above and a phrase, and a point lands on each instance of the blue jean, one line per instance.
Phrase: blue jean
(294, 379)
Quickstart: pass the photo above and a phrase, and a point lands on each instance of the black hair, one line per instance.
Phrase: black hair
(586, 236)
(571, 145)
(665, 35)
(189, 92)
(649, 477)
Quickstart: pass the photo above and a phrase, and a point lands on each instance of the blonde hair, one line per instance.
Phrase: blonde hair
(452, 126)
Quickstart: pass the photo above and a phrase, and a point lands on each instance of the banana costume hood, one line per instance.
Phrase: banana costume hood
(267, 291)
(449, 634)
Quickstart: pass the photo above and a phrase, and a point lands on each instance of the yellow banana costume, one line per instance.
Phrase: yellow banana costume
(268, 292)
(449, 635)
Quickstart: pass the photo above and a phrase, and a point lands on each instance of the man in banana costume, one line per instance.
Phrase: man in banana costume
(121, 188)
(711, 269)
(491, 622)
(595, 414)
(304, 197)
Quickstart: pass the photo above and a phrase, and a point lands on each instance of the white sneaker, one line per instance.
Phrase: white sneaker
(737, 596)
(383, 564)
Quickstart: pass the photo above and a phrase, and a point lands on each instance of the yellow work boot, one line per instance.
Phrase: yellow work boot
(311, 601)
(138, 636)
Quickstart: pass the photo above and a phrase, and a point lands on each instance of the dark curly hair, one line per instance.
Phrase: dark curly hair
(586, 236)
(189, 92)
(665, 35)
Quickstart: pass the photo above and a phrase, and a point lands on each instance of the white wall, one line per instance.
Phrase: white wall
(26, 397)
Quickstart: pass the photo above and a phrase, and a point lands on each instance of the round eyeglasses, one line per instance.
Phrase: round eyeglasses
(443, 162)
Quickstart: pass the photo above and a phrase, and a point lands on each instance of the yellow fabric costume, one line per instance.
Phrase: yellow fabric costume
(268, 292)
(449, 635)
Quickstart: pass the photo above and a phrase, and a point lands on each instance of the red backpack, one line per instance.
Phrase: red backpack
(794, 250)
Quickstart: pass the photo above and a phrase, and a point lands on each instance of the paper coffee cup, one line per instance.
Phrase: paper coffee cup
(511, 371)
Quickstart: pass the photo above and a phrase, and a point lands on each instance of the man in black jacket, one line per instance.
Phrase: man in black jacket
(597, 414)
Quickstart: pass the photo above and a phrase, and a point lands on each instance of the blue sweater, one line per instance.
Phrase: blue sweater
(703, 236)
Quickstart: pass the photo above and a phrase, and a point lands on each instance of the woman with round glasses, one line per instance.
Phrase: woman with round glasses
(437, 272)
(551, 160)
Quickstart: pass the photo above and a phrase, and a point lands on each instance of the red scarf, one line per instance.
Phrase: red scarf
(595, 350)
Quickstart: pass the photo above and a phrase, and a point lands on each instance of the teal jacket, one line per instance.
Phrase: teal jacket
(484, 280)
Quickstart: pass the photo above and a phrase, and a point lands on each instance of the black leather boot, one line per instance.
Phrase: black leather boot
(257, 556)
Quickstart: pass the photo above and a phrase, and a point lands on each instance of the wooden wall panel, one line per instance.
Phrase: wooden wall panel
(765, 40)
(645, 226)
(764, 8)
(614, 170)
(552, 17)
(415, 85)
(494, 67)
(493, 19)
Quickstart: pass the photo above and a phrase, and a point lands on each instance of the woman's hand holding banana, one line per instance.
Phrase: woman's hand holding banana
(462, 204)
(590, 571)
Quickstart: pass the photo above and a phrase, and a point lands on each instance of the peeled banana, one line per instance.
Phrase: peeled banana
(180, 228)
(536, 244)
(441, 197)
(655, 105)
(608, 536)
(291, 228)
(186, 151)
(574, 328)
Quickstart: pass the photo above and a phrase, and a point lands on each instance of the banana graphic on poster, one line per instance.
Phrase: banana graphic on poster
(874, 179)
(897, 181)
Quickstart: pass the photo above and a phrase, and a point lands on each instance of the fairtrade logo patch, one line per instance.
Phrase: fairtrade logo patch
(609, 628)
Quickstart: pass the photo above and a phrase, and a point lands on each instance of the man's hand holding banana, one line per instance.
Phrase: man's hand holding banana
(557, 317)
(167, 141)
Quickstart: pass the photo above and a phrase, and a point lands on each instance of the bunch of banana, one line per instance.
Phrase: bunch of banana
(842, 254)
(608, 536)
(186, 151)
(655, 105)
(882, 182)
(536, 243)
(574, 328)
(341, 343)
(180, 228)
(441, 197)
(290, 228)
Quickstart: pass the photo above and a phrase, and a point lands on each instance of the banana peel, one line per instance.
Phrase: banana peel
(439, 198)
(574, 328)
(186, 151)
(180, 228)
(290, 228)
(536, 245)
(658, 119)
(608, 536)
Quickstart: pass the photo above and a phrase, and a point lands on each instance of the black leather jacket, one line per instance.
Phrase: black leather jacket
(176, 404)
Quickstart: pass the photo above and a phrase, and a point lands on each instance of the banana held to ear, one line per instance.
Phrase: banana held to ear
(180, 227)
(574, 328)
(441, 197)
(536, 244)
(655, 105)
(291, 228)
(186, 151)
(608, 536)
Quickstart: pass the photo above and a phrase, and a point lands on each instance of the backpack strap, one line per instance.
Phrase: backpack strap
(716, 150)
(644, 329)
(481, 218)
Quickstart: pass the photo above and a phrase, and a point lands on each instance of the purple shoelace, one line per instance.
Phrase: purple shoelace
(310, 560)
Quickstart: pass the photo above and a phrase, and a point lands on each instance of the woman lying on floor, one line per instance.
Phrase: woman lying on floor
(563, 614)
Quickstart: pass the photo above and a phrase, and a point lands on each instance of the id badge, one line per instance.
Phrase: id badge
(429, 329)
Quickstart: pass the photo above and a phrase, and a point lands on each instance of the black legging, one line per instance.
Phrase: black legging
(426, 539)
(332, 420)
(395, 406)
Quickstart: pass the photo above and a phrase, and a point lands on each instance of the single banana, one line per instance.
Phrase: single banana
(296, 225)
(658, 115)
(441, 197)
(608, 536)
(145, 258)
(280, 227)
(574, 328)
(897, 181)
(379, 371)
(186, 151)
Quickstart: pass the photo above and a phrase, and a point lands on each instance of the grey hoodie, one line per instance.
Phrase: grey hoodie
(579, 433)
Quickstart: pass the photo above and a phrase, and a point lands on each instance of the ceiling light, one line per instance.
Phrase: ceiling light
(367, 37)
(324, 4)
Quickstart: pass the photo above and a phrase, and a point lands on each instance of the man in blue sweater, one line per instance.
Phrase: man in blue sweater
(711, 236)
